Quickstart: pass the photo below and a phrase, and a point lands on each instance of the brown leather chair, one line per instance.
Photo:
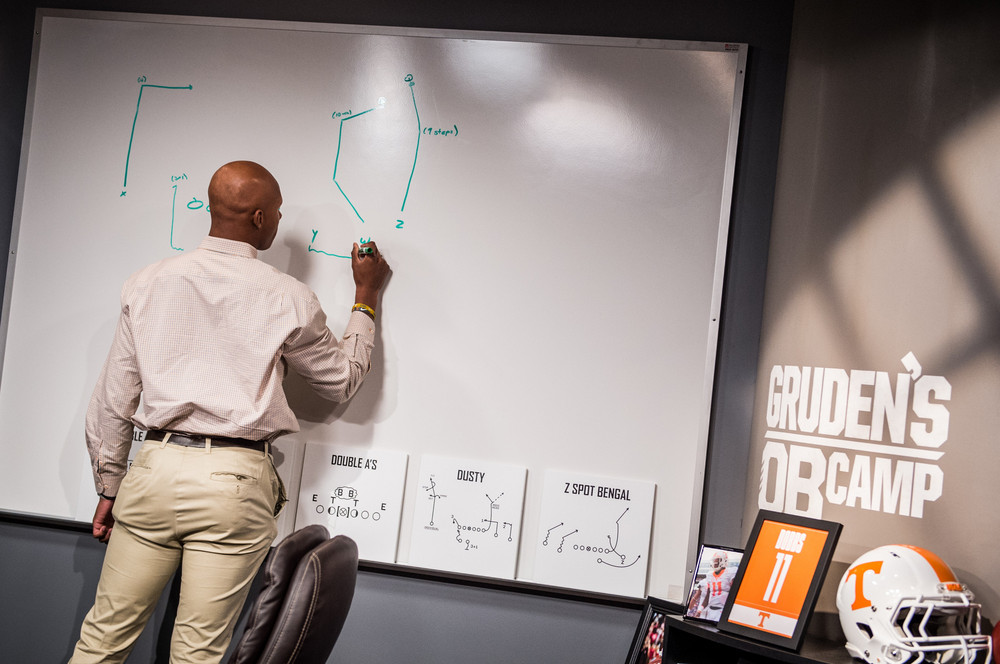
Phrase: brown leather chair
(307, 591)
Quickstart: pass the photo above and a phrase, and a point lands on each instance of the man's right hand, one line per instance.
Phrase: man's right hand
(370, 272)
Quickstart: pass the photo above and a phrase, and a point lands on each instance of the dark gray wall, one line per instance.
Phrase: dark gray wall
(50, 574)
(51, 570)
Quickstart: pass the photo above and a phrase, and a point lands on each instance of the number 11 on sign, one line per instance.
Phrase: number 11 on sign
(781, 564)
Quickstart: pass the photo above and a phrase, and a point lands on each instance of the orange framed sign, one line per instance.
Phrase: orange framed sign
(778, 581)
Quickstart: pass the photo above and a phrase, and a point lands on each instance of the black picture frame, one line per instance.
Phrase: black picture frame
(783, 567)
(696, 608)
(652, 624)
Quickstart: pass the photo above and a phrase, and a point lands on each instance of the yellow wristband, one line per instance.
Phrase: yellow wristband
(365, 308)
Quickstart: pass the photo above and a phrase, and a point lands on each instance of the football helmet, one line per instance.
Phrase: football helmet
(901, 604)
(719, 560)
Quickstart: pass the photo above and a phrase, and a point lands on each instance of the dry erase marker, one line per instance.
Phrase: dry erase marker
(365, 250)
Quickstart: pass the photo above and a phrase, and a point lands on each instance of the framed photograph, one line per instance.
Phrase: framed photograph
(713, 577)
(779, 578)
(650, 634)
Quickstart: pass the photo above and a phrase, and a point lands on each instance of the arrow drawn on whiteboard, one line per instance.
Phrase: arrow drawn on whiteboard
(416, 152)
(361, 240)
(173, 208)
(142, 86)
(345, 116)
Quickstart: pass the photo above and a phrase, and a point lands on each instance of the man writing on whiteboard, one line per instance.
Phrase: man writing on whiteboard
(205, 338)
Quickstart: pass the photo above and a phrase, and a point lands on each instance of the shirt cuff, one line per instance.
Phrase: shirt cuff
(109, 486)
(362, 325)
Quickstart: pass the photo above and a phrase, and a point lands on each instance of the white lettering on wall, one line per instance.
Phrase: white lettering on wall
(860, 439)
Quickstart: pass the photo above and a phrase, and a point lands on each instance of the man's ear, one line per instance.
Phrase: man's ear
(258, 218)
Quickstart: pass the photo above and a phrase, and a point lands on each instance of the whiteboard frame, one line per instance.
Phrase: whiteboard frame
(724, 222)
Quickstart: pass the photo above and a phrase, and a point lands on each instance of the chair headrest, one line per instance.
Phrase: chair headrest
(316, 605)
(279, 569)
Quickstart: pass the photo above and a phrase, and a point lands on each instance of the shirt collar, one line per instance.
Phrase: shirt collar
(224, 246)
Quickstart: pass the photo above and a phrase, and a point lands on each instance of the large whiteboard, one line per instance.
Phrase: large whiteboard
(555, 210)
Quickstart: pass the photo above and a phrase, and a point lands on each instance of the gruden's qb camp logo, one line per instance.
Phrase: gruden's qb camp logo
(860, 439)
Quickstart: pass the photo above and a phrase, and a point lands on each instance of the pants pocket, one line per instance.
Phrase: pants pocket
(279, 492)
(233, 476)
(237, 474)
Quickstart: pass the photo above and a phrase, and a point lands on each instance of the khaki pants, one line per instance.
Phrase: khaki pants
(209, 510)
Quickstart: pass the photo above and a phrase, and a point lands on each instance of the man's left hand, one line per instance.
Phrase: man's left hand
(103, 520)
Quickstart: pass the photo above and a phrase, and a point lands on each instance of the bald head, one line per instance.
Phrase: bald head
(244, 199)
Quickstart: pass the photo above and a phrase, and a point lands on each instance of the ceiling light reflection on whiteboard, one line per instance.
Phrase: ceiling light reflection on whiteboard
(495, 68)
(582, 133)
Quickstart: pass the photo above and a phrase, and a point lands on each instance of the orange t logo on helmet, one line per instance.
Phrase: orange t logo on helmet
(858, 572)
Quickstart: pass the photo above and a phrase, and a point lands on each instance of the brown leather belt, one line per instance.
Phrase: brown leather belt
(195, 440)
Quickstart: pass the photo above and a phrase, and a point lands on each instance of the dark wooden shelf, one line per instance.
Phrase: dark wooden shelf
(690, 642)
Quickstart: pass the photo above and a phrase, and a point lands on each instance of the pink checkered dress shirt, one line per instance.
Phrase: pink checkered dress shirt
(205, 338)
